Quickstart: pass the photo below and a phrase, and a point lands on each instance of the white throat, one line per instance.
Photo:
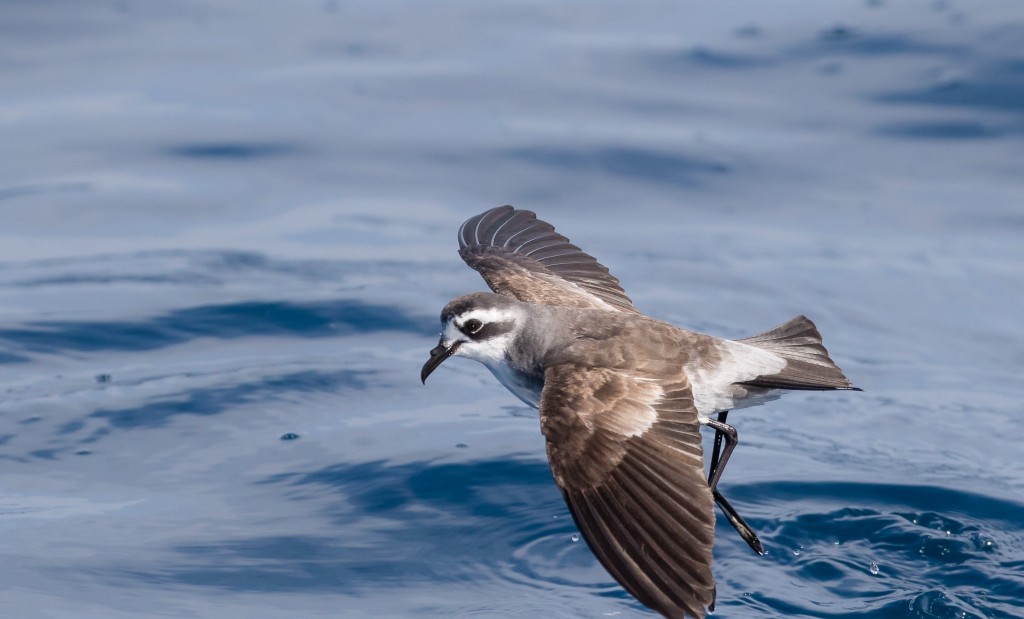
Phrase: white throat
(492, 352)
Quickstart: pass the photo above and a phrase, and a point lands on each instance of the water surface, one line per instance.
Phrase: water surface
(227, 232)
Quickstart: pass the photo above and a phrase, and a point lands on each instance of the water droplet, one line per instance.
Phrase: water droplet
(796, 551)
(104, 378)
(289, 436)
(873, 569)
(575, 537)
(461, 445)
(836, 542)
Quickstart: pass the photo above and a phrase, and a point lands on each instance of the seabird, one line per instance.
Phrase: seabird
(622, 397)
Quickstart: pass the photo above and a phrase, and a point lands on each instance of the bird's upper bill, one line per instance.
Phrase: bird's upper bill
(437, 356)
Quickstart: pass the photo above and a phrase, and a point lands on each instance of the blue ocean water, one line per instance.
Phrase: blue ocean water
(227, 230)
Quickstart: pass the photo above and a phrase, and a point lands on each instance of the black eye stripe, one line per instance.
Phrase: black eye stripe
(491, 329)
(471, 326)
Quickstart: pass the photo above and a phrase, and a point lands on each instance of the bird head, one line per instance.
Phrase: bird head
(479, 326)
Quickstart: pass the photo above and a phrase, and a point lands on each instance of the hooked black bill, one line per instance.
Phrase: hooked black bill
(437, 356)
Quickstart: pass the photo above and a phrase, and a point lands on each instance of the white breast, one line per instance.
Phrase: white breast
(521, 385)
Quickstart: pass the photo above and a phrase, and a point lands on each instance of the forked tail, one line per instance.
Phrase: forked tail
(808, 366)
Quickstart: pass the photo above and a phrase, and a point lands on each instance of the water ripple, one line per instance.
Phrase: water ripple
(937, 550)
(418, 522)
(223, 321)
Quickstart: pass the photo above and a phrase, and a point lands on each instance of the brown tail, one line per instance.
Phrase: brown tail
(808, 366)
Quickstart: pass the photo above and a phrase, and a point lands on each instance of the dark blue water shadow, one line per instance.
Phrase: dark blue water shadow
(948, 130)
(7, 357)
(395, 525)
(19, 191)
(215, 400)
(199, 268)
(236, 151)
(992, 85)
(235, 320)
(837, 41)
(842, 40)
(69, 436)
(631, 163)
(708, 58)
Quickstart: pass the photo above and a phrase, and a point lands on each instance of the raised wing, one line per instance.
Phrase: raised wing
(626, 452)
(523, 257)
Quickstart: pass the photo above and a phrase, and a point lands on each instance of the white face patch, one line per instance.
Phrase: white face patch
(486, 316)
(490, 352)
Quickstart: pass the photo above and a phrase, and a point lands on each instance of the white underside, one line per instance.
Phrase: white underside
(714, 385)
(525, 391)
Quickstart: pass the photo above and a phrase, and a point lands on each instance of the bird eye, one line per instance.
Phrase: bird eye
(472, 325)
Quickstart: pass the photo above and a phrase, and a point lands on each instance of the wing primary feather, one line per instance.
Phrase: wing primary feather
(630, 540)
(655, 556)
(532, 226)
(610, 549)
(519, 217)
(588, 266)
(524, 257)
(486, 221)
(658, 496)
(543, 243)
(476, 231)
(571, 249)
(494, 237)
(657, 522)
(659, 486)
(538, 243)
(607, 549)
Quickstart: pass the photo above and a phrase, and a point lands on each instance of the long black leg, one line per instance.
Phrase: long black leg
(738, 523)
(716, 452)
(727, 432)
(719, 458)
